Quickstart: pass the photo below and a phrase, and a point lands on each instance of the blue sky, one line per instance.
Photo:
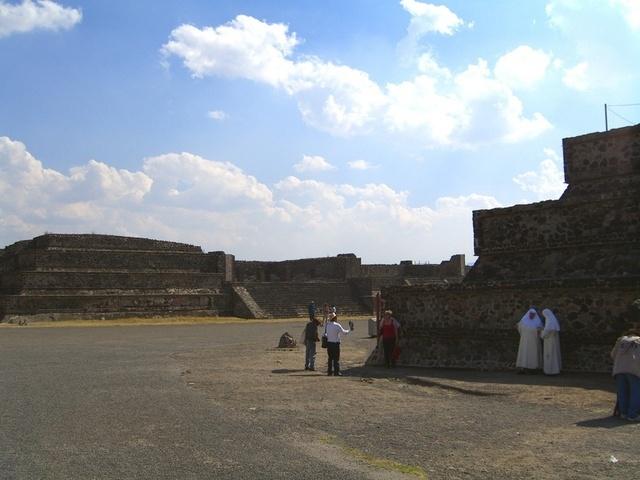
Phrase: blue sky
(290, 129)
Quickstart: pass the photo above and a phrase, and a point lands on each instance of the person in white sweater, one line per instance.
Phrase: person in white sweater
(333, 331)
(626, 371)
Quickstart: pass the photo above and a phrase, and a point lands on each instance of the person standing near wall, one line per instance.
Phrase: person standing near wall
(550, 335)
(334, 330)
(312, 310)
(530, 348)
(626, 371)
(310, 340)
(388, 331)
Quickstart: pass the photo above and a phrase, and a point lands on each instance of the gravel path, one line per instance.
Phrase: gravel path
(218, 401)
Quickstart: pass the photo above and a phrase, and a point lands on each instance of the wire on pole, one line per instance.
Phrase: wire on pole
(607, 109)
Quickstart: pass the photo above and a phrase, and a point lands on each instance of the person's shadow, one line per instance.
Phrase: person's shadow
(604, 422)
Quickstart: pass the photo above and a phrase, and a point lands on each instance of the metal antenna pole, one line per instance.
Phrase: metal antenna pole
(606, 120)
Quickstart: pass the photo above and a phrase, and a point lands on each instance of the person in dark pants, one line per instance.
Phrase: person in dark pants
(333, 331)
(388, 331)
(310, 339)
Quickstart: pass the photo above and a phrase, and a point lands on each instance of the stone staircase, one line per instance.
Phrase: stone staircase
(244, 305)
(291, 299)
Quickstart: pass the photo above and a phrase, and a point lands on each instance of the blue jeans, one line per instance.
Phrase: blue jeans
(628, 386)
(310, 355)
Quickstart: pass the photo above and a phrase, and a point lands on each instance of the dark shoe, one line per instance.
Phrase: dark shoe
(311, 369)
(329, 374)
(337, 374)
(306, 368)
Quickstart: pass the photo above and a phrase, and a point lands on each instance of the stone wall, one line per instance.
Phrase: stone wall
(64, 276)
(556, 224)
(468, 326)
(599, 155)
(578, 256)
(454, 267)
(67, 275)
(340, 267)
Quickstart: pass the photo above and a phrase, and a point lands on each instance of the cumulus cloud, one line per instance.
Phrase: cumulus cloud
(473, 108)
(577, 77)
(437, 106)
(522, 67)
(630, 10)
(190, 181)
(36, 15)
(547, 183)
(335, 98)
(184, 197)
(313, 163)
(562, 12)
(427, 18)
(598, 61)
(360, 165)
(217, 115)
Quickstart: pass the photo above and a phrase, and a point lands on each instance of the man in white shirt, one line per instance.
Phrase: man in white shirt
(333, 330)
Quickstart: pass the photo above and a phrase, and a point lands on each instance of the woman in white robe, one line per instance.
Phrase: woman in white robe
(552, 362)
(530, 348)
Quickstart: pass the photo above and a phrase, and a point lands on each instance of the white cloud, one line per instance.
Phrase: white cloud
(184, 197)
(313, 163)
(190, 181)
(630, 11)
(217, 115)
(472, 108)
(426, 18)
(522, 67)
(335, 98)
(360, 165)
(577, 77)
(36, 15)
(600, 64)
(548, 182)
(438, 107)
(244, 47)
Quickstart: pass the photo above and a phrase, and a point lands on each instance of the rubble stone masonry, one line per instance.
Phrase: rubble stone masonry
(578, 256)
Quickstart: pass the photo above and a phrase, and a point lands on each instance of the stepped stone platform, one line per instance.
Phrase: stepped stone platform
(578, 256)
(57, 276)
(66, 276)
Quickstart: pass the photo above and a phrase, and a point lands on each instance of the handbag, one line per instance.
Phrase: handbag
(323, 342)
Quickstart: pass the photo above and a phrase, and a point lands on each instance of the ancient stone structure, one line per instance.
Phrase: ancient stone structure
(101, 276)
(579, 256)
(67, 276)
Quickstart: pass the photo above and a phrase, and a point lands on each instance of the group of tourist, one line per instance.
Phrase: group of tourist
(539, 348)
(539, 343)
(330, 338)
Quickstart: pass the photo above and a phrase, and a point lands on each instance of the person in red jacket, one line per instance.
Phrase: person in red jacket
(388, 331)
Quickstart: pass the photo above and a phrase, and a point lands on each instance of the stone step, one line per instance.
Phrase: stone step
(290, 299)
(41, 281)
(179, 302)
(110, 260)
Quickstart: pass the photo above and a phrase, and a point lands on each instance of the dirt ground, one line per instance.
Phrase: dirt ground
(417, 423)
